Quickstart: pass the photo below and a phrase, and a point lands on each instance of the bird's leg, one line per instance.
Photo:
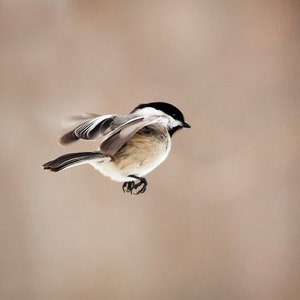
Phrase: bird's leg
(140, 186)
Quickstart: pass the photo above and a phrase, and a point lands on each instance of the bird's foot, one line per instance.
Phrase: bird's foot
(135, 188)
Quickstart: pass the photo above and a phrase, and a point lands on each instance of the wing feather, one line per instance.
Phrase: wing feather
(112, 131)
(88, 129)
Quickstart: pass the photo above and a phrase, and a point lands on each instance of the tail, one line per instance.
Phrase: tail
(72, 160)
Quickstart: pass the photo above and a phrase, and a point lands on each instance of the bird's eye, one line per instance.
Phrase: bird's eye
(174, 115)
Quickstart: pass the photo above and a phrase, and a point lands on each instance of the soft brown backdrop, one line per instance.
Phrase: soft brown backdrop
(221, 217)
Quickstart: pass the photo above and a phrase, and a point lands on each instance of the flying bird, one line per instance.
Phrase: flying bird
(130, 146)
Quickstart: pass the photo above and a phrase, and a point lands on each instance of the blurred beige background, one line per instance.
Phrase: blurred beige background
(221, 217)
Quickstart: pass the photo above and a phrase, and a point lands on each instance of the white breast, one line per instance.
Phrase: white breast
(135, 164)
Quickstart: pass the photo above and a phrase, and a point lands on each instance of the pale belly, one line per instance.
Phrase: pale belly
(138, 157)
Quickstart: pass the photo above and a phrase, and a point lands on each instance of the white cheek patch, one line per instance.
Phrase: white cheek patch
(174, 123)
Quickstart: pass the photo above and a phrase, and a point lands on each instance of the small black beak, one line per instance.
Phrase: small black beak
(186, 125)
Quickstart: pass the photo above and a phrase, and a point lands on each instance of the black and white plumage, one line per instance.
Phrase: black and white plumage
(130, 146)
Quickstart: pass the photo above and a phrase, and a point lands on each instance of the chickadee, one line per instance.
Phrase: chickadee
(131, 145)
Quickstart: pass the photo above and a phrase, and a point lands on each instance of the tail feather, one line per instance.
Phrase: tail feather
(70, 160)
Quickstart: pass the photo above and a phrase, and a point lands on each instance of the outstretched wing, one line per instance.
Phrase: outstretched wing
(112, 131)
(87, 128)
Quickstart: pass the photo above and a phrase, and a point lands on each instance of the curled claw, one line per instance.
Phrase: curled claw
(140, 187)
(128, 187)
